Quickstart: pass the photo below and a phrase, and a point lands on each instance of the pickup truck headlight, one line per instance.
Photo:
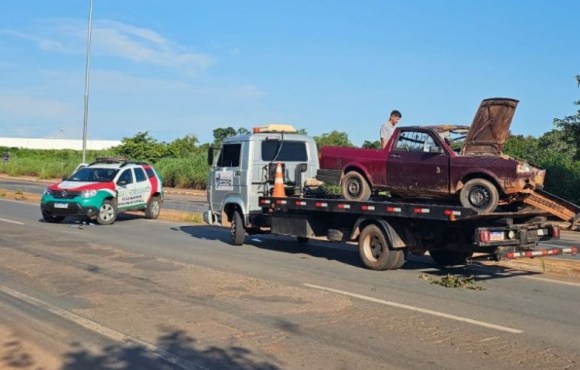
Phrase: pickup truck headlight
(524, 167)
(88, 193)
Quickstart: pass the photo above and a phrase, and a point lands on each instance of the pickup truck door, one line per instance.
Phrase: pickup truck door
(417, 165)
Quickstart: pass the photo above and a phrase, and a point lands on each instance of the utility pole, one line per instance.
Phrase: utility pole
(87, 78)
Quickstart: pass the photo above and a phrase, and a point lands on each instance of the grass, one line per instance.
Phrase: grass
(454, 281)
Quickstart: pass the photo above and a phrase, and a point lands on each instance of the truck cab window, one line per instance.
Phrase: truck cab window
(415, 141)
(230, 155)
(289, 151)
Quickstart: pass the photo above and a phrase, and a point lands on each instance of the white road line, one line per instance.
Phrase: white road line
(12, 222)
(419, 309)
(102, 330)
(552, 281)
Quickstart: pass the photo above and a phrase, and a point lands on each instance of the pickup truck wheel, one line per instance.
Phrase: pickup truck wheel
(52, 219)
(446, 258)
(375, 251)
(355, 187)
(153, 208)
(480, 195)
(107, 213)
(237, 230)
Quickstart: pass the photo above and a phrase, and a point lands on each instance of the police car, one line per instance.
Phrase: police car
(103, 189)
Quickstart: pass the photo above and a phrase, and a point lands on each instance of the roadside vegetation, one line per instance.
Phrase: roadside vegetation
(182, 163)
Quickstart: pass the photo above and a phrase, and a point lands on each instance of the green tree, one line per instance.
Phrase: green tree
(141, 147)
(333, 138)
(183, 147)
(220, 133)
(571, 125)
(372, 144)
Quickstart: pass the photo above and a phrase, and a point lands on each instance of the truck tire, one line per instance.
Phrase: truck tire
(375, 251)
(107, 213)
(480, 195)
(237, 231)
(153, 208)
(447, 258)
(355, 187)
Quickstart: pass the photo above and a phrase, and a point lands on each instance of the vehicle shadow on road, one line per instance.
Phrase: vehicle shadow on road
(340, 252)
(173, 349)
(478, 270)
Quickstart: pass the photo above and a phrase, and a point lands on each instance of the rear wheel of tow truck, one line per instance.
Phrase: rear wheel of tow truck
(153, 208)
(107, 213)
(447, 258)
(376, 252)
(480, 195)
(355, 187)
(52, 219)
(237, 231)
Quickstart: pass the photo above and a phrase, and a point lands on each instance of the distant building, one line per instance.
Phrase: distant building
(28, 143)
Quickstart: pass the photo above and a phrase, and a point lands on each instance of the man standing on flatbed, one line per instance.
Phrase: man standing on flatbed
(388, 127)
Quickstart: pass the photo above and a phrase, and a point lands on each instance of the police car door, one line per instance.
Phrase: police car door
(126, 189)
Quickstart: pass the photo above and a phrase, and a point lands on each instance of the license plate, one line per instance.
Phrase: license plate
(496, 236)
(542, 232)
(61, 205)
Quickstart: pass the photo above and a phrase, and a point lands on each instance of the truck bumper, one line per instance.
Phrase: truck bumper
(71, 209)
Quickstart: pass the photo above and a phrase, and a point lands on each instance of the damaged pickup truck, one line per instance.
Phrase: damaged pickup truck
(419, 162)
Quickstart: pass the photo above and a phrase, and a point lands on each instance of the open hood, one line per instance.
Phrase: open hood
(489, 130)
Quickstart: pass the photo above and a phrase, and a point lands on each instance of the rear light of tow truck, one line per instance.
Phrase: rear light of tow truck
(555, 232)
(484, 236)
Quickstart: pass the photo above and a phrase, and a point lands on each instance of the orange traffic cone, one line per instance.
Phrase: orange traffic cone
(279, 191)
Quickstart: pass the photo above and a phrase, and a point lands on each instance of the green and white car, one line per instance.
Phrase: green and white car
(100, 190)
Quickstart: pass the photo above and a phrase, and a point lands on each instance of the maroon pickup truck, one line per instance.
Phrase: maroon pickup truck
(419, 162)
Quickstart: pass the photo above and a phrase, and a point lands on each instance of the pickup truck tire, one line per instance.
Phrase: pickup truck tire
(237, 231)
(355, 187)
(480, 195)
(375, 250)
(107, 213)
(153, 208)
(446, 258)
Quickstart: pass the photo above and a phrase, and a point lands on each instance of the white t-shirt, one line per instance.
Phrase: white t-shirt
(387, 130)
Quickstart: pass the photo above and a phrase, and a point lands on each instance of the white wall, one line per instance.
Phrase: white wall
(56, 143)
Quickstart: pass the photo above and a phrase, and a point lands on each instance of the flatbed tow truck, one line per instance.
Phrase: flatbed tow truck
(240, 197)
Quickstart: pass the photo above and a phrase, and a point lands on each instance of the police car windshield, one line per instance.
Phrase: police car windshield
(94, 174)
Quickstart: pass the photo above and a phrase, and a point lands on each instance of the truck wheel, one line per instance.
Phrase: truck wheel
(480, 195)
(52, 219)
(355, 187)
(107, 213)
(153, 208)
(446, 258)
(375, 251)
(237, 230)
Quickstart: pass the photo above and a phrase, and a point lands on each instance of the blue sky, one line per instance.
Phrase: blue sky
(182, 67)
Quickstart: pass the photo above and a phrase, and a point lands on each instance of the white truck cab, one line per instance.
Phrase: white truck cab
(244, 169)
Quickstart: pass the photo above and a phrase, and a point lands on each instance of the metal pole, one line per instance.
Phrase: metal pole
(87, 75)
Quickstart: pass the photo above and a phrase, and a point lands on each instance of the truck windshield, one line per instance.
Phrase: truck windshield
(289, 151)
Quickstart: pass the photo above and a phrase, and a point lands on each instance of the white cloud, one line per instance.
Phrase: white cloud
(19, 106)
(117, 40)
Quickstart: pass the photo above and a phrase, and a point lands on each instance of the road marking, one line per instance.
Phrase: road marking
(419, 309)
(552, 281)
(12, 222)
(103, 330)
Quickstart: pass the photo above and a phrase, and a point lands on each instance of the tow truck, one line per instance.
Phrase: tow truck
(240, 195)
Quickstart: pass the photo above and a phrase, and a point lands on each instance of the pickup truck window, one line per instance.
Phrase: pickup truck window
(415, 141)
(230, 155)
(290, 151)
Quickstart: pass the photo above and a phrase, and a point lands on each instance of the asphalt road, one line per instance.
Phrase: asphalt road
(144, 294)
(173, 200)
